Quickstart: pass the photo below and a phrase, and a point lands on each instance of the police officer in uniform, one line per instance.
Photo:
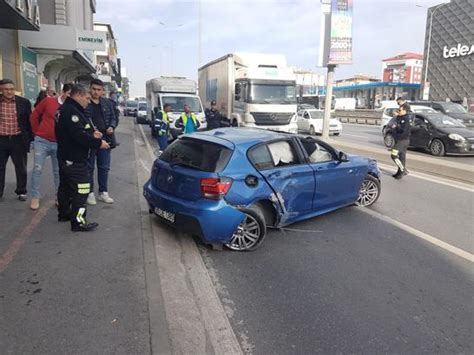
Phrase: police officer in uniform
(214, 118)
(75, 135)
(401, 134)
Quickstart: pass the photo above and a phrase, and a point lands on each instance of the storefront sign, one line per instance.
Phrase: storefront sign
(30, 9)
(29, 73)
(340, 51)
(91, 40)
(458, 51)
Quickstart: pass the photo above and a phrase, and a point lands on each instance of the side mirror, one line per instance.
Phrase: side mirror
(342, 157)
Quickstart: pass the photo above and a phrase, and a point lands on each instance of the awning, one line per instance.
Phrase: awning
(12, 18)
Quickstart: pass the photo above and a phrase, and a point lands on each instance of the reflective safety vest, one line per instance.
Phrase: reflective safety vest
(185, 119)
(164, 115)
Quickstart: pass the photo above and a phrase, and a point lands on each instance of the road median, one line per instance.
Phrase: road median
(426, 164)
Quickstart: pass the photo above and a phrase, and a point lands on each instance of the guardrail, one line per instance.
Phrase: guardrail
(370, 117)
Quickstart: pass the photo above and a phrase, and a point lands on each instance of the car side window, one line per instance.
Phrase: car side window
(316, 152)
(419, 122)
(283, 153)
(306, 115)
(261, 158)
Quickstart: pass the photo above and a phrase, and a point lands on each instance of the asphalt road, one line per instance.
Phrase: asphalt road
(349, 282)
(368, 135)
(73, 293)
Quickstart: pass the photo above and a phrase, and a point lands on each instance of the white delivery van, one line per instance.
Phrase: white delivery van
(252, 90)
(177, 92)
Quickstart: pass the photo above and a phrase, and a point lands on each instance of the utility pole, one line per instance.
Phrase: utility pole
(328, 101)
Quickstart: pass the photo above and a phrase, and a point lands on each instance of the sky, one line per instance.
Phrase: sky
(160, 37)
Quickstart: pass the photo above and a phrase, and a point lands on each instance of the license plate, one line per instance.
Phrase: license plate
(170, 217)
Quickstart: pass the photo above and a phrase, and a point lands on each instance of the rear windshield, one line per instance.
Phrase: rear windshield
(197, 154)
(142, 106)
(132, 103)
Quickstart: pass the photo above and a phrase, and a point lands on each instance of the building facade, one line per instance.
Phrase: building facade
(309, 83)
(16, 64)
(64, 47)
(357, 80)
(403, 68)
(448, 73)
(108, 64)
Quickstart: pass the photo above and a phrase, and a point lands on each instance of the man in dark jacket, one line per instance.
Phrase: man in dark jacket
(101, 112)
(400, 130)
(15, 136)
(214, 118)
(76, 136)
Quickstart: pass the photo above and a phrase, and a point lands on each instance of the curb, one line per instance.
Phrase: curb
(434, 166)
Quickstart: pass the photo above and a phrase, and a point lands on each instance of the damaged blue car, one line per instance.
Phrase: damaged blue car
(229, 185)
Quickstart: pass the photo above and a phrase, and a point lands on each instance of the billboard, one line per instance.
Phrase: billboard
(340, 50)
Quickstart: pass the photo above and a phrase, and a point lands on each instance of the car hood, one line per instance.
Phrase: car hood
(464, 132)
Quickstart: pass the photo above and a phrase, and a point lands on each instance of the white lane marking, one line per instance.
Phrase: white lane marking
(417, 233)
(431, 178)
(193, 309)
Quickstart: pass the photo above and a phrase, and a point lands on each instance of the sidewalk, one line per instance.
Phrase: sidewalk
(64, 292)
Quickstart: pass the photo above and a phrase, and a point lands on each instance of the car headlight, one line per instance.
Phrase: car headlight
(456, 137)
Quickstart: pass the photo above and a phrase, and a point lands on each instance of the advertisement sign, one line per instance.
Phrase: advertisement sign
(29, 74)
(340, 51)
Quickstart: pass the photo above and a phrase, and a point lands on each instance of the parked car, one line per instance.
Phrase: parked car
(142, 114)
(311, 121)
(131, 108)
(389, 111)
(229, 184)
(439, 134)
(451, 109)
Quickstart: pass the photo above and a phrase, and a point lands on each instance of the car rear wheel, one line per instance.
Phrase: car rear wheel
(312, 131)
(437, 148)
(388, 140)
(250, 233)
(369, 191)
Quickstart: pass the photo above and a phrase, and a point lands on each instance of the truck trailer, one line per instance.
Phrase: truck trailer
(176, 91)
(252, 90)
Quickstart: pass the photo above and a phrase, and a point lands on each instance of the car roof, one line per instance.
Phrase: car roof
(242, 136)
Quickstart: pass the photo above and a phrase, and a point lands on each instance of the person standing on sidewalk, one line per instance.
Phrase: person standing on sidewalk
(162, 126)
(401, 134)
(42, 124)
(15, 136)
(76, 137)
(188, 121)
(101, 112)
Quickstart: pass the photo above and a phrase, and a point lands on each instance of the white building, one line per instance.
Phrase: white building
(403, 68)
(107, 67)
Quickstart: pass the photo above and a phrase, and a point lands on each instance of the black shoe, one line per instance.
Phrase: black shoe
(402, 174)
(397, 174)
(22, 197)
(84, 227)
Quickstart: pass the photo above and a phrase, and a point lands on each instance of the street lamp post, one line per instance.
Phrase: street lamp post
(429, 44)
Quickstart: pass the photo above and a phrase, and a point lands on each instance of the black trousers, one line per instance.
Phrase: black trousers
(14, 147)
(399, 154)
(74, 186)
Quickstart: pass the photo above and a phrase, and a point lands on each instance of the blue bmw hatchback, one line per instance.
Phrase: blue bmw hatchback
(228, 185)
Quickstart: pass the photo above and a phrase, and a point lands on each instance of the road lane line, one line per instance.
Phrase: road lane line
(431, 178)
(417, 233)
(20, 239)
(196, 316)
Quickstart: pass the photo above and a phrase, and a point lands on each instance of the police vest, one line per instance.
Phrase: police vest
(185, 119)
(164, 116)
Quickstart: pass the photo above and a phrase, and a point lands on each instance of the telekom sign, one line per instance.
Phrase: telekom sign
(458, 51)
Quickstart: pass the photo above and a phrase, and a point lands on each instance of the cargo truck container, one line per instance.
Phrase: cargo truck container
(252, 90)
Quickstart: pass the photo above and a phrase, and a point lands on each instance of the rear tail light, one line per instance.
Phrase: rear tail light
(215, 188)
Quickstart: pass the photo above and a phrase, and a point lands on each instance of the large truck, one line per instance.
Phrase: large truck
(177, 92)
(251, 90)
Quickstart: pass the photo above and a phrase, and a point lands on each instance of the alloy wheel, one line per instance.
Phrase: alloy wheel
(437, 147)
(246, 235)
(368, 193)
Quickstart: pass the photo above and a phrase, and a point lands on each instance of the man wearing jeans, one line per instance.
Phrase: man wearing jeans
(101, 112)
(43, 124)
(15, 136)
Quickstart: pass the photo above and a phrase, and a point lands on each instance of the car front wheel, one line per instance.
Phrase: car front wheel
(437, 148)
(369, 191)
(250, 233)
(388, 140)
